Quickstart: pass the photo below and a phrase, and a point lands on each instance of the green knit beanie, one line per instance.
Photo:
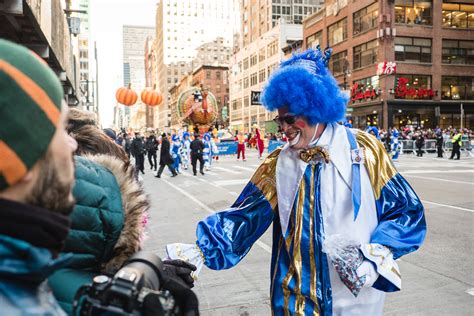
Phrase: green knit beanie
(30, 108)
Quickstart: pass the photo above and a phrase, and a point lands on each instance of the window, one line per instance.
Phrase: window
(261, 55)
(367, 83)
(246, 102)
(261, 76)
(208, 74)
(253, 79)
(413, 12)
(234, 104)
(413, 49)
(458, 15)
(337, 61)
(365, 19)
(315, 39)
(218, 74)
(457, 88)
(272, 48)
(365, 54)
(458, 52)
(218, 88)
(337, 32)
(246, 63)
(246, 82)
(412, 86)
(253, 60)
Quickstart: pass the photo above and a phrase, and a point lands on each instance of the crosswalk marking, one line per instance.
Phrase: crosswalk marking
(245, 168)
(227, 170)
(230, 182)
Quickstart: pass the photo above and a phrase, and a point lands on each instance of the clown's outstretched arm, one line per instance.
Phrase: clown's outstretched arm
(401, 225)
(224, 238)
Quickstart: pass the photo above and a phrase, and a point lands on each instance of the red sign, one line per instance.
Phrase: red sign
(358, 94)
(386, 68)
(402, 91)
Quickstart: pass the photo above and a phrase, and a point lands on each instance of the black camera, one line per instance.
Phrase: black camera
(125, 292)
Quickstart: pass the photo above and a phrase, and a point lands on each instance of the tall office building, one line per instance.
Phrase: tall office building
(181, 27)
(134, 42)
(260, 16)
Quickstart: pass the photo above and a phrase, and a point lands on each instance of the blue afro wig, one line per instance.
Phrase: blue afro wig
(305, 86)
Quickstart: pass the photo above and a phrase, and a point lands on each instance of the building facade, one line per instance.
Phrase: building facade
(260, 16)
(134, 43)
(181, 27)
(404, 63)
(250, 68)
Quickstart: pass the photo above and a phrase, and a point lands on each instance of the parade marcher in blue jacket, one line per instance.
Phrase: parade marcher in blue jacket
(176, 152)
(186, 143)
(394, 145)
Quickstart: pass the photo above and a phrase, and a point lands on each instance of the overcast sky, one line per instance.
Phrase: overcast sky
(107, 18)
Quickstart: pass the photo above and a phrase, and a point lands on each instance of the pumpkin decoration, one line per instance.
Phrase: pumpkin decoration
(151, 97)
(126, 96)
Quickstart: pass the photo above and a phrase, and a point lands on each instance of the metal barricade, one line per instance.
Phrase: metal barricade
(407, 145)
(430, 145)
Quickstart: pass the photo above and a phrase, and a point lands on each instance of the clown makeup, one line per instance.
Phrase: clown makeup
(300, 134)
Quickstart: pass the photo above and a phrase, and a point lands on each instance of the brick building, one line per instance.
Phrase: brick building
(404, 62)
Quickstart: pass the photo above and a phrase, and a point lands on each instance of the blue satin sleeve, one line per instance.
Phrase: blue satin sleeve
(226, 237)
(402, 225)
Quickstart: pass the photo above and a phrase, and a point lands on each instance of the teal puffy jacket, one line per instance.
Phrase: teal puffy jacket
(17, 259)
(107, 224)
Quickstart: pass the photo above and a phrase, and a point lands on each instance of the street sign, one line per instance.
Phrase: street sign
(255, 97)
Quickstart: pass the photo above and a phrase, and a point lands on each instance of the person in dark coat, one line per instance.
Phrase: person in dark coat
(439, 143)
(165, 157)
(197, 148)
(419, 142)
(151, 148)
(137, 149)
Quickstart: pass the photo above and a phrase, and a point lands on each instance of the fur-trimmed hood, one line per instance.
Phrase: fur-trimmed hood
(135, 206)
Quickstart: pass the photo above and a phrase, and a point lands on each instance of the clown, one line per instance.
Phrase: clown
(176, 152)
(394, 146)
(210, 149)
(328, 183)
(186, 143)
(259, 141)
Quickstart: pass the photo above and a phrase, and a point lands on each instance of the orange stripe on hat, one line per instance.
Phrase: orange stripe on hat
(35, 92)
(11, 166)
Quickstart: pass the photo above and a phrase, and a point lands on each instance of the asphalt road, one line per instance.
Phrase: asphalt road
(438, 279)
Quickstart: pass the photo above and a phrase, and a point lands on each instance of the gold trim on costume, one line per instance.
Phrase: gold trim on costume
(311, 245)
(377, 162)
(265, 178)
(299, 299)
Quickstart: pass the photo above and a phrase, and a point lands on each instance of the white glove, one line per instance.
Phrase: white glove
(371, 275)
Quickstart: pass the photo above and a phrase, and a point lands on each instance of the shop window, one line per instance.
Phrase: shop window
(413, 49)
(457, 88)
(413, 87)
(337, 32)
(365, 19)
(418, 12)
(456, 15)
(365, 54)
(458, 52)
(337, 61)
(315, 39)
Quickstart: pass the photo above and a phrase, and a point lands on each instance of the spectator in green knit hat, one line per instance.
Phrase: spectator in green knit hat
(36, 181)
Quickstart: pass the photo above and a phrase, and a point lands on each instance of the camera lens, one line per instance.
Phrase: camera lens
(150, 266)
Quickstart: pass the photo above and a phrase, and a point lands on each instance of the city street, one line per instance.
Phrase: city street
(437, 279)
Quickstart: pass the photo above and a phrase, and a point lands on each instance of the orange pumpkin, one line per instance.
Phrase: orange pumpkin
(126, 96)
(151, 97)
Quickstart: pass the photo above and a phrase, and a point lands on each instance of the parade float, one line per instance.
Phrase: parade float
(197, 107)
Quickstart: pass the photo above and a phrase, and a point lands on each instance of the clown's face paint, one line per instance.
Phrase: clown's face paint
(299, 134)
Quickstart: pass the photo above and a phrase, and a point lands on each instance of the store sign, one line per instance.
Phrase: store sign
(386, 68)
(255, 97)
(402, 91)
(359, 94)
